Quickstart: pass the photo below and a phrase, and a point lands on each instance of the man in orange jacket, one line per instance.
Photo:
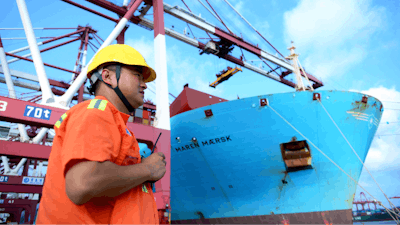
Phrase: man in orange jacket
(95, 172)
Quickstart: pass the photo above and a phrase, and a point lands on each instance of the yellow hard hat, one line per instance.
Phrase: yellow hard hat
(124, 54)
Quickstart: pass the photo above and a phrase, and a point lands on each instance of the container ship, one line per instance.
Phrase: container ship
(277, 158)
(365, 213)
(371, 215)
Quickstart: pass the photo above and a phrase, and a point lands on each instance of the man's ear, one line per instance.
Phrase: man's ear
(106, 75)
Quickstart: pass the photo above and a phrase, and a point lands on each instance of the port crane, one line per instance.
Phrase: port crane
(363, 200)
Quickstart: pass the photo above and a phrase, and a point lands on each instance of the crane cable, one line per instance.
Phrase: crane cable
(188, 23)
(209, 10)
(254, 28)
(219, 17)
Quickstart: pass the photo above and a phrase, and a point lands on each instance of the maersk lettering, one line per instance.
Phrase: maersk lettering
(204, 143)
(217, 140)
(187, 147)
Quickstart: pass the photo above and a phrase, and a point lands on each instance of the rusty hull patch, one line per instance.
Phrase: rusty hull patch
(360, 106)
(208, 113)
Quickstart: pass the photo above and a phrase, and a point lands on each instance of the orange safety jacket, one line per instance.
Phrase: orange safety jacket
(94, 130)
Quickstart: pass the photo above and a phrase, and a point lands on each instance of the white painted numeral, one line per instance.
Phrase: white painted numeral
(3, 105)
(38, 113)
(30, 109)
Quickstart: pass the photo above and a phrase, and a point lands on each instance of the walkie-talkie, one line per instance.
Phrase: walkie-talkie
(152, 151)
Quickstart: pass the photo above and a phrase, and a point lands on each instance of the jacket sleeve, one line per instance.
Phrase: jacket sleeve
(91, 135)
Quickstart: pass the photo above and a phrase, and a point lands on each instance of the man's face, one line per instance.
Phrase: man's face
(131, 84)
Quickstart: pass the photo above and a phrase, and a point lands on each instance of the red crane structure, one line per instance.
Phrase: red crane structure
(24, 155)
(364, 201)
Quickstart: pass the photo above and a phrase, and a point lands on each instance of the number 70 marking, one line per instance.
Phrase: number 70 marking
(37, 112)
(30, 108)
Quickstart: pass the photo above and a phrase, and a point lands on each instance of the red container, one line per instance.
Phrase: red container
(146, 114)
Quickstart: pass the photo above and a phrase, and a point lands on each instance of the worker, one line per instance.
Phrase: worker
(95, 172)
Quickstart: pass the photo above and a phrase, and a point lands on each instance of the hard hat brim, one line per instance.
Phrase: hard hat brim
(149, 74)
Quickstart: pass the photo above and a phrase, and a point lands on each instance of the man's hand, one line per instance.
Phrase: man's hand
(156, 165)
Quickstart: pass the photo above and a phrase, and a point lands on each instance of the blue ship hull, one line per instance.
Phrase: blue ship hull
(234, 169)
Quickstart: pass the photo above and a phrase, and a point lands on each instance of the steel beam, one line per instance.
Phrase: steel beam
(26, 207)
(77, 62)
(19, 201)
(13, 210)
(46, 49)
(30, 210)
(14, 148)
(20, 188)
(37, 59)
(90, 10)
(27, 76)
(114, 8)
(83, 63)
(13, 110)
(162, 118)
(47, 41)
(37, 88)
(121, 36)
(46, 64)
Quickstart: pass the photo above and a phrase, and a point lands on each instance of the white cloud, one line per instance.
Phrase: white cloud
(383, 155)
(239, 6)
(333, 33)
(316, 23)
(338, 63)
(145, 47)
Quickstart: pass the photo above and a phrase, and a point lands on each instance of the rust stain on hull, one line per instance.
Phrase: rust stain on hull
(359, 106)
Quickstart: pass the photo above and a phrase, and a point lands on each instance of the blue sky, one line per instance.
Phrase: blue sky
(348, 44)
